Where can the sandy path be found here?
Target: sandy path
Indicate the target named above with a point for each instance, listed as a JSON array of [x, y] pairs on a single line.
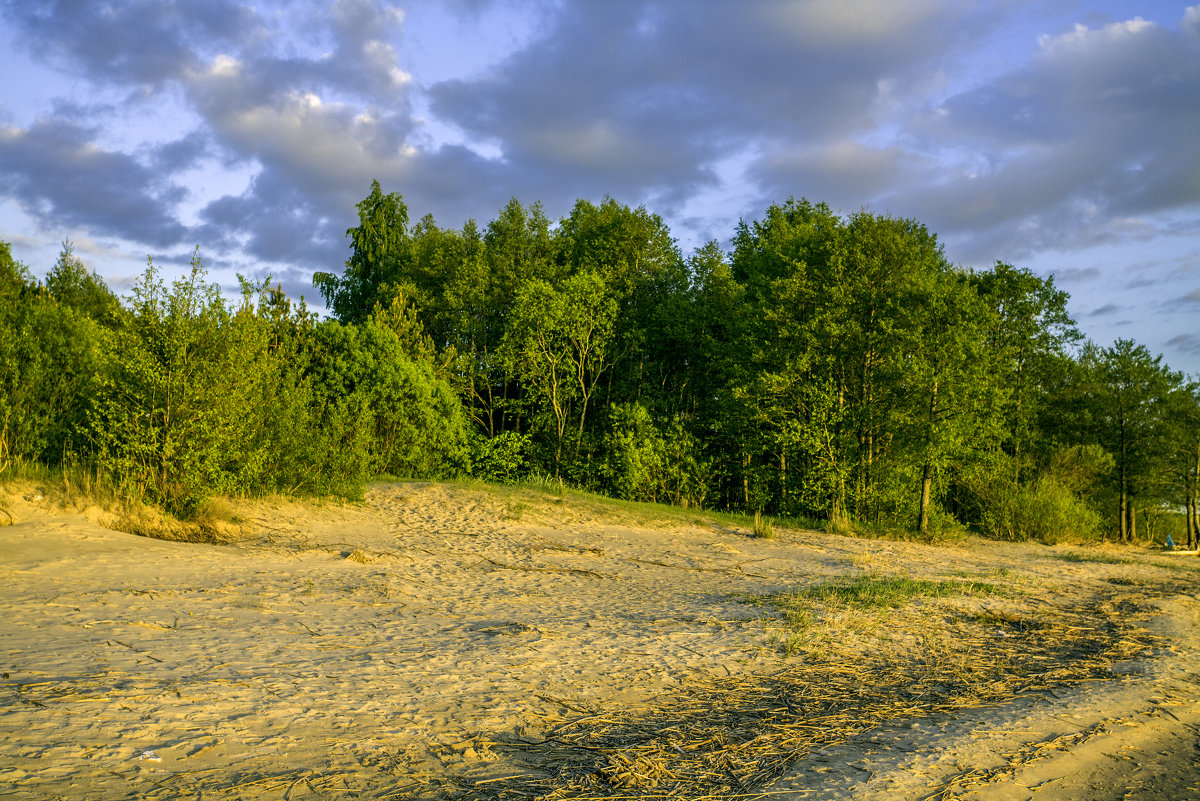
[[350, 651], [1136, 737]]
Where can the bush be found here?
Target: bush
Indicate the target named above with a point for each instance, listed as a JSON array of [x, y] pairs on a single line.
[[1044, 510], [645, 464], [500, 458], [415, 423], [174, 418], [1051, 508]]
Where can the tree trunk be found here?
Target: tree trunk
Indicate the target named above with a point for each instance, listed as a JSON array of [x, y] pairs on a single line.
[[927, 469], [1196, 499], [745, 481], [1123, 513], [1187, 517], [926, 487], [1132, 523], [783, 487]]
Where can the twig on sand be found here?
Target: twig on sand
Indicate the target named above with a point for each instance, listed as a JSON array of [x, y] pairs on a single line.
[[536, 569]]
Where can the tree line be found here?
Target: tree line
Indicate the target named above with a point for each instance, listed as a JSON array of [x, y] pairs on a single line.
[[826, 367]]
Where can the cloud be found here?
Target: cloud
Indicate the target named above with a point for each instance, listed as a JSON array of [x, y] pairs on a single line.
[[1079, 275], [61, 177], [1191, 297], [703, 109], [1188, 343], [1107, 310], [1087, 141], [181, 154], [643, 100], [141, 42]]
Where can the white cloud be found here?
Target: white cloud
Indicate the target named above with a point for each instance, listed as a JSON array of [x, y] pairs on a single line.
[[1083, 37], [1190, 24], [224, 66]]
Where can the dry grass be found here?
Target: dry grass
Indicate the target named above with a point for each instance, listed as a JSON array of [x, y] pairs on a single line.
[[729, 738]]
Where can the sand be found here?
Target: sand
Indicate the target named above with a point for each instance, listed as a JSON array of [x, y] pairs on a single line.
[[389, 649]]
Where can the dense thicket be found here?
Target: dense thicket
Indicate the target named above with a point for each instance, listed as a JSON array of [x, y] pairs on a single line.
[[827, 366], [181, 394]]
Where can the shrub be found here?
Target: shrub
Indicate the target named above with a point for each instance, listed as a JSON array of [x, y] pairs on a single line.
[[500, 458], [1043, 510], [645, 464], [173, 418]]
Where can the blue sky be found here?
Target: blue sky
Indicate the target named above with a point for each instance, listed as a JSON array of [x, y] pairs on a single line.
[[1056, 135]]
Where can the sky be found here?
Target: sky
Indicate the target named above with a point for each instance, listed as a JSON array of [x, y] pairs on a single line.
[[1062, 136]]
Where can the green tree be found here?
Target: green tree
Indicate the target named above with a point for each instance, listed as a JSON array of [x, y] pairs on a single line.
[[1029, 338], [1124, 393], [633, 252], [955, 401], [380, 247], [391, 411], [642, 463], [70, 283], [159, 428], [1182, 414], [557, 343], [49, 363]]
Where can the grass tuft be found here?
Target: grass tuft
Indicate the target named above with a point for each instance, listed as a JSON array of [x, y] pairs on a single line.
[[1099, 558], [875, 591]]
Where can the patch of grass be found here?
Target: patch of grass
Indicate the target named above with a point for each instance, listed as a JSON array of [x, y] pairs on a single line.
[[1002, 572], [1099, 558], [875, 591], [545, 483], [801, 609], [764, 527], [1187, 563]]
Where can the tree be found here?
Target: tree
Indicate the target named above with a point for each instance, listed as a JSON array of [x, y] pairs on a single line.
[[633, 252], [159, 428], [413, 421], [379, 247], [70, 283], [557, 343], [49, 362], [954, 398], [1183, 420], [1124, 398], [1029, 336]]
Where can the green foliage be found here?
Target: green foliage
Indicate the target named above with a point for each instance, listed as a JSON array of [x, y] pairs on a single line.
[[501, 458], [49, 361], [557, 342], [643, 463], [1054, 506], [831, 368], [391, 414], [70, 283], [379, 247], [159, 428], [1044, 510]]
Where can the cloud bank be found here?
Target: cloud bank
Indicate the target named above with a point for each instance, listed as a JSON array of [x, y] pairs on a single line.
[[1009, 133]]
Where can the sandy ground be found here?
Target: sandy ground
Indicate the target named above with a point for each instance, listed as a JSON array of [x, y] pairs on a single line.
[[368, 651]]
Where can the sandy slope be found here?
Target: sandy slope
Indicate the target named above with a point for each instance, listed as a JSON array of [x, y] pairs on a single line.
[[365, 650]]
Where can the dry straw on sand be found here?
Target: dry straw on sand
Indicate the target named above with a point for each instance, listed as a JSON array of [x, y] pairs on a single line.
[[730, 738]]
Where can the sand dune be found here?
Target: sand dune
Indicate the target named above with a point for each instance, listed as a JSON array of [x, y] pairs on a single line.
[[393, 648]]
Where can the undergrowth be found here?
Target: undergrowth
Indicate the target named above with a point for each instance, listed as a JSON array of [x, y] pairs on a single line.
[[801, 609]]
